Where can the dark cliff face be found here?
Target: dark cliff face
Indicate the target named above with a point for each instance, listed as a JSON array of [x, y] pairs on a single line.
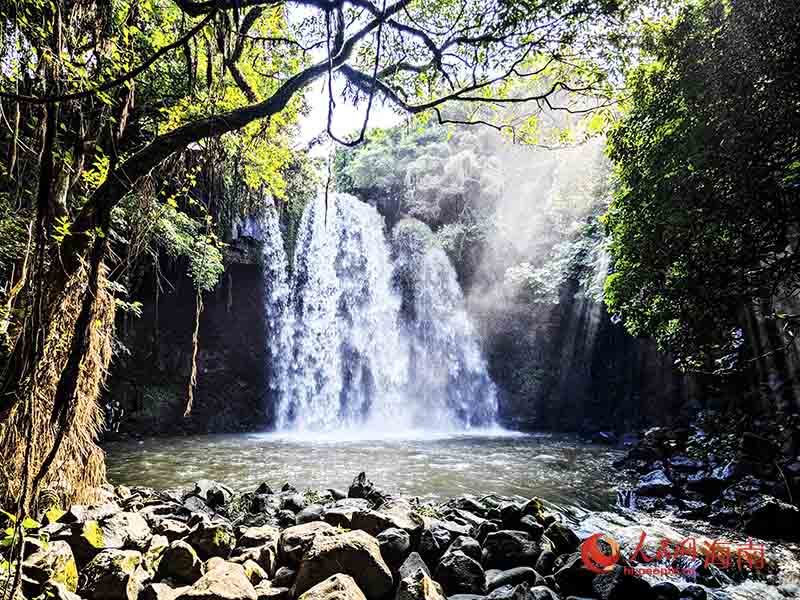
[[151, 382], [567, 366]]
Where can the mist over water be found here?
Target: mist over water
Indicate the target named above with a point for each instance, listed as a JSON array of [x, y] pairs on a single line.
[[350, 349]]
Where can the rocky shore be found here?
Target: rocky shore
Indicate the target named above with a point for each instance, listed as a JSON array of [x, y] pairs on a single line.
[[208, 543], [745, 480]]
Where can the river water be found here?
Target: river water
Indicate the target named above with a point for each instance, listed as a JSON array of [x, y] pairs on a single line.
[[557, 468]]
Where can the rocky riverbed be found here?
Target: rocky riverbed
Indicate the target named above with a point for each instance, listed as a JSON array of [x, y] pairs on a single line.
[[208, 543]]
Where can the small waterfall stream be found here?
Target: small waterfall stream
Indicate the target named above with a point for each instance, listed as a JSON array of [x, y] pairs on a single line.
[[348, 350]]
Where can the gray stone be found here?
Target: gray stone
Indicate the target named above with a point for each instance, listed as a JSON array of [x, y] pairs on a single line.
[[335, 587], [212, 539], [294, 541], [53, 562], [310, 513], [655, 483], [468, 546], [413, 565], [506, 549], [395, 545], [180, 564], [460, 574], [419, 587], [222, 581], [354, 553], [513, 577], [112, 575]]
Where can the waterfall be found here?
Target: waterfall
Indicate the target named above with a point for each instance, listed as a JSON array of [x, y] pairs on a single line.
[[366, 340], [276, 305]]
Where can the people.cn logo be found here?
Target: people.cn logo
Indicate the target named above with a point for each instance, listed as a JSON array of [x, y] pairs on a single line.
[[596, 555]]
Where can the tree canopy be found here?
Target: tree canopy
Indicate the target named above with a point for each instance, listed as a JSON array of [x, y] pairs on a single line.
[[705, 216]]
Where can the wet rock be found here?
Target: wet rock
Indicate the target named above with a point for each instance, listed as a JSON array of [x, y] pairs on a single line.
[[460, 574], [260, 503], [769, 517], [693, 592], [361, 487], [535, 509], [222, 581], [514, 576], [395, 545], [112, 575], [284, 577], [266, 590], [212, 539], [255, 537], [55, 562], [161, 591], [310, 513], [665, 590], [545, 562], [294, 503], [419, 587], [180, 563], [214, 494], [506, 549], [172, 529], [541, 592], [468, 546], [337, 494], [573, 578], [616, 585], [125, 530], [254, 572], [510, 514], [693, 509], [562, 537], [413, 565], [481, 531], [531, 526], [655, 483], [354, 553], [683, 463], [511, 592], [286, 518], [264, 489], [294, 541], [433, 542]]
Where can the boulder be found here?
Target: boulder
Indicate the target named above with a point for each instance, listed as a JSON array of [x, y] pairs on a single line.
[[434, 541], [573, 578], [294, 541], [284, 577], [544, 564], [769, 517], [468, 546], [255, 573], [126, 530], [514, 576], [531, 526], [263, 488], [511, 592], [562, 537], [53, 562], [541, 592], [153, 553], [294, 503], [212, 493], [615, 584], [254, 537], [180, 563], [354, 553], [310, 513], [161, 591], [212, 539], [460, 574], [265, 556], [267, 591], [693, 592], [85, 539], [222, 581], [335, 587], [506, 549], [665, 590], [419, 587], [413, 565], [286, 518], [395, 545], [655, 483], [112, 575], [361, 487]]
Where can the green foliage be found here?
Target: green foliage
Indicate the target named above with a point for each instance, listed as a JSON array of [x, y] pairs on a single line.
[[704, 219]]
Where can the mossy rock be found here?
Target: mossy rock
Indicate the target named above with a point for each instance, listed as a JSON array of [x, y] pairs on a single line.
[[54, 562]]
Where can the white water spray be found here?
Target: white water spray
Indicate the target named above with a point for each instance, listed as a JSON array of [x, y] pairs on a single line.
[[351, 354]]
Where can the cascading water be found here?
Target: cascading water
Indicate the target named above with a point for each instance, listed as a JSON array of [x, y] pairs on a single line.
[[360, 343]]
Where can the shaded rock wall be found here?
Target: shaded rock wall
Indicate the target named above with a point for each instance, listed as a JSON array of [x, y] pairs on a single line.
[[151, 382], [567, 366]]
